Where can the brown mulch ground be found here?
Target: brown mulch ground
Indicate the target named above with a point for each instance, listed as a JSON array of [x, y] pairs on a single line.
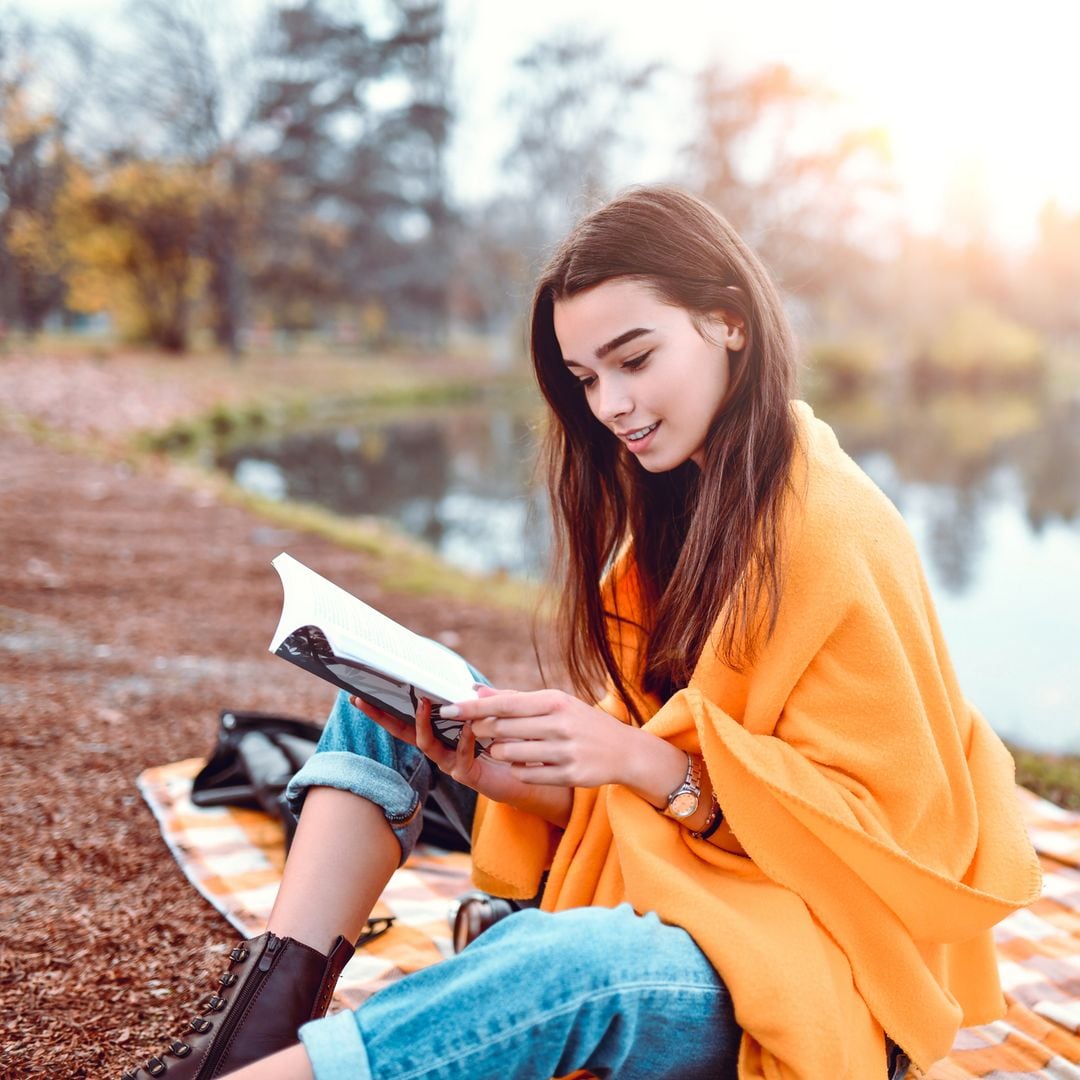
[[133, 608]]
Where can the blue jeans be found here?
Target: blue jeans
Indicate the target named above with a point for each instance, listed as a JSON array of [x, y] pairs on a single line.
[[536, 996], [357, 755]]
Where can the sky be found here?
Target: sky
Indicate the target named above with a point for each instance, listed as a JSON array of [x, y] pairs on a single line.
[[979, 99]]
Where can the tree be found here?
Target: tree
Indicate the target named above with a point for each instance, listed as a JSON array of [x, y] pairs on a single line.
[[29, 283], [188, 93], [572, 102], [796, 183], [356, 125], [1050, 287], [572, 105], [130, 236], [35, 116]]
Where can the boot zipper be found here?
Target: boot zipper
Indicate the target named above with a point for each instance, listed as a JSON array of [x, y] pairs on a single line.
[[236, 1012]]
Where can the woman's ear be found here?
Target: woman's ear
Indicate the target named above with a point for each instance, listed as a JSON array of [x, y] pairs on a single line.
[[734, 333], [729, 329]]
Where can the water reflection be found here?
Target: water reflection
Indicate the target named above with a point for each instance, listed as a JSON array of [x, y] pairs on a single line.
[[461, 481], [961, 440], [989, 484], [973, 452]]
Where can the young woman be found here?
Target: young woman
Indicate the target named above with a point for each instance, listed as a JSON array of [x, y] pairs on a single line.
[[777, 845]]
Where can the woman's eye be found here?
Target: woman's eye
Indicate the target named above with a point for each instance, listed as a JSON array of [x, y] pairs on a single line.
[[627, 365], [637, 361]]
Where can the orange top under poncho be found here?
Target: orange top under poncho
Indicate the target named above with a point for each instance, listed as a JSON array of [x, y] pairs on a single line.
[[872, 833]]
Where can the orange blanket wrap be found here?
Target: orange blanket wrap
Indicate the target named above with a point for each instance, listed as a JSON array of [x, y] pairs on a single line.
[[872, 834]]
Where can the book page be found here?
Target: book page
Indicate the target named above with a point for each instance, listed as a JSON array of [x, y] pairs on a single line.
[[309, 648], [361, 633]]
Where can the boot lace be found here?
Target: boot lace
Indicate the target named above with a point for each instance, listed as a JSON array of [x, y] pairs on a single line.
[[212, 1003]]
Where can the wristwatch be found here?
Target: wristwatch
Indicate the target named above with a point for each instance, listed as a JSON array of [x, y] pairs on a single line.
[[683, 801]]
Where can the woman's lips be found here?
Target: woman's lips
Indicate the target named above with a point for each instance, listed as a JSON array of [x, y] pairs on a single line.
[[636, 446]]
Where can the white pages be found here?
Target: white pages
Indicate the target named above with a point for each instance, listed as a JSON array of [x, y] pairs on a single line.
[[361, 635]]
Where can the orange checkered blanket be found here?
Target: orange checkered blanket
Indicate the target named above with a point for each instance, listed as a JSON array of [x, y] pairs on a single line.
[[234, 858]]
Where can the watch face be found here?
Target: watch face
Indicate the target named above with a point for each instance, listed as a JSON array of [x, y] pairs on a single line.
[[684, 804]]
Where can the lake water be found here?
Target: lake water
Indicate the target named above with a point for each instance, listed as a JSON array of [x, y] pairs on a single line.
[[990, 487]]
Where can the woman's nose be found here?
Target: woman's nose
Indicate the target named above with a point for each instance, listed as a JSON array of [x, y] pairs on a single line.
[[612, 402]]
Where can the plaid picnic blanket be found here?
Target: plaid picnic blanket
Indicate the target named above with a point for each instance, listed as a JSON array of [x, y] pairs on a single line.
[[234, 858]]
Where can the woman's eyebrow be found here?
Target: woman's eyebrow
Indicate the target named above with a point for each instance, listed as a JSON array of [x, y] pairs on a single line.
[[622, 339], [613, 344]]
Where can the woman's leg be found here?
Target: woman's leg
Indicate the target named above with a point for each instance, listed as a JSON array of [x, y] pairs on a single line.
[[346, 848], [361, 795], [359, 800], [539, 995], [340, 861]]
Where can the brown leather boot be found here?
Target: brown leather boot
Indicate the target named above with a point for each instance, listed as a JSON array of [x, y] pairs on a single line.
[[272, 987]]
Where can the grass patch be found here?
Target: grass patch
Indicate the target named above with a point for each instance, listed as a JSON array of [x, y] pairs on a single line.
[[1055, 777], [430, 576], [224, 422], [67, 442], [404, 564], [220, 424]]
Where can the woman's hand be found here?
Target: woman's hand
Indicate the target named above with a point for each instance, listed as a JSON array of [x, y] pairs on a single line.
[[550, 737], [494, 779]]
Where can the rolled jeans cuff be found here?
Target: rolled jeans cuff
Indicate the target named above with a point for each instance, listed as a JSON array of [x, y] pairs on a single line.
[[335, 1049], [399, 799]]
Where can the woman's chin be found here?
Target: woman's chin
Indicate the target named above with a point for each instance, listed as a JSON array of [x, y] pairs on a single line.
[[659, 465]]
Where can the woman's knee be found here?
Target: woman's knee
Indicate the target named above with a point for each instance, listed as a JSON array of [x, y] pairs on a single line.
[[349, 728], [589, 966], [358, 756]]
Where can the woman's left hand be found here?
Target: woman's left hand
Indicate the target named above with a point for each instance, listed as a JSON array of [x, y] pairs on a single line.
[[550, 737]]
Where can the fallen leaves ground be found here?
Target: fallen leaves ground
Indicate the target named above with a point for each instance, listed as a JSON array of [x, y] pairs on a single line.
[[132, 609]]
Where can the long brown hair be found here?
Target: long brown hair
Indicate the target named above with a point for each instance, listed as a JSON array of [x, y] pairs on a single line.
[[705, 541]]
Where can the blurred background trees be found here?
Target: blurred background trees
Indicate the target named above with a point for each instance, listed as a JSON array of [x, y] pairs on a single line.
[[42, 78], [293, 179], [354, 126], [569, 110], [129, 239], [802, 204], [212, 174]]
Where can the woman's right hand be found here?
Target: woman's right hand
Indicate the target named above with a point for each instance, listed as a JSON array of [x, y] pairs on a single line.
[[495, 779]]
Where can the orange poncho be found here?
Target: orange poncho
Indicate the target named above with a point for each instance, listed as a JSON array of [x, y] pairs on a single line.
[[872, 834]]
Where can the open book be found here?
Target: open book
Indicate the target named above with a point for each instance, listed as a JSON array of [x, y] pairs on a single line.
[[332, 634]]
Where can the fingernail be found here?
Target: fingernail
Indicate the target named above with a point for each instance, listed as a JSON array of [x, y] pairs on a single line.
[[478, 685], [448, 712]]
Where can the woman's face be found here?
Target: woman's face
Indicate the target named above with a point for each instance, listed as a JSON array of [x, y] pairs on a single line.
[[647, 373]]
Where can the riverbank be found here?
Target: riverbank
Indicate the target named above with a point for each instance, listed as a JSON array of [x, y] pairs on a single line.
[[136, 600], [166, 415]]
